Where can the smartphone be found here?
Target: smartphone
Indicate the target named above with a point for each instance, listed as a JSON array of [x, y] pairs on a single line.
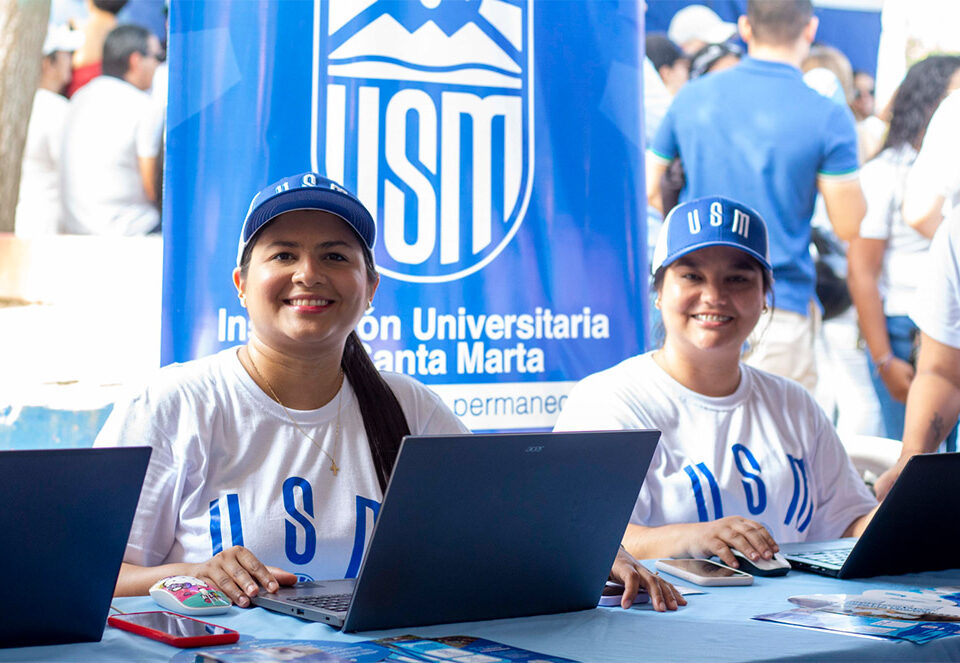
[[173, 629], [704, 572], [612, 594]]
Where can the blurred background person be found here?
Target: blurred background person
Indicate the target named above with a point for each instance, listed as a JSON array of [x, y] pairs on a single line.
[[870, 128], [112, 142], [695, 26], [87, 60], [887, 257], [713, 58], [39, 208], [672, 65]]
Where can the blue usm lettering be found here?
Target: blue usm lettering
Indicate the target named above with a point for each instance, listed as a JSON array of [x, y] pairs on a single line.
[[801, 504], [236, 527], [698, 492], [753, 488], [360, 533], [304, 519]]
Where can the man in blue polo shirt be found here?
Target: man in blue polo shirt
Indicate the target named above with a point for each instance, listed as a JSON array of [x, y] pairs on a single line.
[[756, 133]]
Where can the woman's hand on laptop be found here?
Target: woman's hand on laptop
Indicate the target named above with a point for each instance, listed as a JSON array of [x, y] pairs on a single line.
[[634, 576], [239, 574]]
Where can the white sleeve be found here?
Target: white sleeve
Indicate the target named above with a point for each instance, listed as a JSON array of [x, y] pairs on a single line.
[[591, 406], [131, 423], [426, 413], [878, 190], [843, 496], [936, 172], [936, 308], [150, 130]]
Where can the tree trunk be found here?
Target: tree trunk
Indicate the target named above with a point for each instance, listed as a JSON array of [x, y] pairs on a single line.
[[23, 27]]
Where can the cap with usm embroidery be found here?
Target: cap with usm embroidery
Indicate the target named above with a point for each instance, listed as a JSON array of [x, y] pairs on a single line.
[[711, 221], [306, 191]]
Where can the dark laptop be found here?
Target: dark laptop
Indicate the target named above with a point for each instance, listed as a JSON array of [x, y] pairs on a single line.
[[479, 527], [65, 515], [913, 530]]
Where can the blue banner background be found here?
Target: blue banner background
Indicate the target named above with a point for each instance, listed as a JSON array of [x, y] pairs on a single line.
[[240, 105]]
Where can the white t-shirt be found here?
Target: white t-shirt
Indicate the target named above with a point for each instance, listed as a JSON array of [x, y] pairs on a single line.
[[39, 209], [229, 468], [110, 125], [883, 180], [936, 309], [766, 452], [936, 172]]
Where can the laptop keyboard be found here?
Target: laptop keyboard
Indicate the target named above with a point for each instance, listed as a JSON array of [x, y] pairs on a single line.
[[335, 602], [823, 557]]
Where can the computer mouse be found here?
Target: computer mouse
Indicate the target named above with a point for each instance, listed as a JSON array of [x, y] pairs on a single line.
[[776, 566], [189, 596]]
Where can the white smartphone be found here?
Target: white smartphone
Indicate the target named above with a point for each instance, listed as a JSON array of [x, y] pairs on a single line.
[[704, 572]]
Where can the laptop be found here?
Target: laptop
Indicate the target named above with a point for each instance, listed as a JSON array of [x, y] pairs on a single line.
[[477, 527], [912, 531], [64, 522]]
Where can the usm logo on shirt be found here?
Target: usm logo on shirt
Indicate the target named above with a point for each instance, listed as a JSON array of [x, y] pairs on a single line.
[[424, 108]]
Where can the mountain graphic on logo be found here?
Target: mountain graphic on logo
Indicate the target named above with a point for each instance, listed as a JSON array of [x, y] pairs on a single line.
[[466, 42]]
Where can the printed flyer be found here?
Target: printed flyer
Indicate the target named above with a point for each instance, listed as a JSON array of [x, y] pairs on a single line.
[[915, 615]]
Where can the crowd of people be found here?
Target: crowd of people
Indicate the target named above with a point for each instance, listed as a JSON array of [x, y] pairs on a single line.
[[744, 147], [91, 163]]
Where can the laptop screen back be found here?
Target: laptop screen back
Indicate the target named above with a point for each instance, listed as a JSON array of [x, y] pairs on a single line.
[[490, 526], [64, 524]]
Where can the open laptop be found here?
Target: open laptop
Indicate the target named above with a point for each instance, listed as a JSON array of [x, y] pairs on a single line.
[[912, 531], [64, 522], [479, 527]]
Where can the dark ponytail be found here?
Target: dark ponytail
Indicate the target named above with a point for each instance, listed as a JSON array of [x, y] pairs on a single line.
[[383, 418]]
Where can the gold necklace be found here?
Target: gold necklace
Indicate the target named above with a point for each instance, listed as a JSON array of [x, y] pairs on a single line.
[[336, 435]]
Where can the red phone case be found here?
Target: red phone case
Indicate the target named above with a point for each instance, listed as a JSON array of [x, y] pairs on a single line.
[[227, 638]]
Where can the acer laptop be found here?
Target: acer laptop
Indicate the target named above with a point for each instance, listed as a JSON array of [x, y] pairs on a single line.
[[912, 531], [477, 527], [64, 523]]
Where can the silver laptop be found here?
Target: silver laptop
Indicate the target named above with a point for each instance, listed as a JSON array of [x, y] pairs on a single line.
[[477, 527], [912, 531]]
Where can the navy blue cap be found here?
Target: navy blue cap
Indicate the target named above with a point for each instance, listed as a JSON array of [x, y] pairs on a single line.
[[306, 191], [711, 221]]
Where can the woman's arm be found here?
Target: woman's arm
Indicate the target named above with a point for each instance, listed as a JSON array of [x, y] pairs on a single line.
[[228, 571], [865, 261], [857, 526], [715, 537]]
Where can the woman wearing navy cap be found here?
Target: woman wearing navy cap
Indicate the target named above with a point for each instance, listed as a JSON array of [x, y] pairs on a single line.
[[746, 458], [270, 459]]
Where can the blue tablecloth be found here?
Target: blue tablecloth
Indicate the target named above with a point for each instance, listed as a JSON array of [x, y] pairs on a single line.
[[715, 626]]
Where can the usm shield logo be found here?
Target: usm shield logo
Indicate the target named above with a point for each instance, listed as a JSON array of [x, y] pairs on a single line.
[[424, 108]]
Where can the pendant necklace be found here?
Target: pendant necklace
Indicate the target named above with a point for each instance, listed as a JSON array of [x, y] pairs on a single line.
[[336, 435]]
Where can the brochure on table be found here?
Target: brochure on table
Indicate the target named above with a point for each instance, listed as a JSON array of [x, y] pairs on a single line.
[[916, 615], [404, 649]]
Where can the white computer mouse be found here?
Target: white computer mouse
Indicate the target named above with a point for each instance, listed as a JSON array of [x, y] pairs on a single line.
[[776, 566], [189, 596]]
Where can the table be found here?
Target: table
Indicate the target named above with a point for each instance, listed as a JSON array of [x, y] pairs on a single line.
[[715, 626]]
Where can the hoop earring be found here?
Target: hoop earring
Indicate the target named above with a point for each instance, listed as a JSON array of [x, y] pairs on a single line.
[[656, 303], [370, 308], [243, 300]]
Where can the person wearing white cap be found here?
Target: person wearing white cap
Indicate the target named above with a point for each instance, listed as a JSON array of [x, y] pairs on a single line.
[[271, 459], [746, 458], [38, 205], [695, 26]]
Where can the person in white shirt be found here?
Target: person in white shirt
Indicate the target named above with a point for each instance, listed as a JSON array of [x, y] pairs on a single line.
[[933, 401], [746, 458], [888, 256], [270, 460], [39, 209], [111, 142]]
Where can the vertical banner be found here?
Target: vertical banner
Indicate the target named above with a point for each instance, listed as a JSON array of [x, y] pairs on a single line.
[[498, 144]]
